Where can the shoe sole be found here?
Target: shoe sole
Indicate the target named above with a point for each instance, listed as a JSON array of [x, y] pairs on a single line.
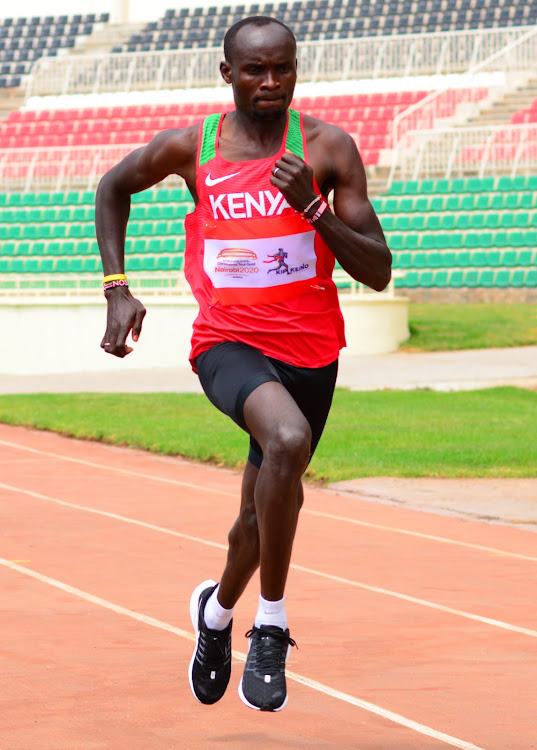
[[194, 616], [246, 702]]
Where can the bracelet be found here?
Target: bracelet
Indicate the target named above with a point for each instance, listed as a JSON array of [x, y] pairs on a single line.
[[114, 277], [313, 202], [317, 215], [116, 282]]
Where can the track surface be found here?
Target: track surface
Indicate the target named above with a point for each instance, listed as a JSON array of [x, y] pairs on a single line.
[[415, 630]]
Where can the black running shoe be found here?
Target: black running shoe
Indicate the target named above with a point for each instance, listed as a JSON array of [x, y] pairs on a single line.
[[210, 667], [263, 683]]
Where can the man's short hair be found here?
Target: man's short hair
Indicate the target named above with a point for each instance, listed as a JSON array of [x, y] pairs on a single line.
[[229, 39]]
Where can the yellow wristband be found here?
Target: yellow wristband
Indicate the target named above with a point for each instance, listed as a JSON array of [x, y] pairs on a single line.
[[114, 277]]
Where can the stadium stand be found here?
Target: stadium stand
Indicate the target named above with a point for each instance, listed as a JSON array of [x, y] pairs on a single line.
[[465, 232], [25, 40], [368, 117], [198, 27]]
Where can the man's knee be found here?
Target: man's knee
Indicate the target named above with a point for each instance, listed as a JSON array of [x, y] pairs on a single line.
[[289, 445]]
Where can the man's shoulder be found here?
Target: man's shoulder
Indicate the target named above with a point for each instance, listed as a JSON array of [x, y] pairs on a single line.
[[325, 133], [315, 126]]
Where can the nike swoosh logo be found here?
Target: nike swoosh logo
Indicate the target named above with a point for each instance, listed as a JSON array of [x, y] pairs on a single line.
[[209, 181]]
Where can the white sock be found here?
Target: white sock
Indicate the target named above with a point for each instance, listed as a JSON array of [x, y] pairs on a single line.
[[271, 613], [215, 616]]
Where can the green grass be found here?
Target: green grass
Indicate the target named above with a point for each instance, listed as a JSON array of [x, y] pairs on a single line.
[[482, 433], [471, 326]]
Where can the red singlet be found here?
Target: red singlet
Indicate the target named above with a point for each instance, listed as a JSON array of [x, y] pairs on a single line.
[[259, 271]]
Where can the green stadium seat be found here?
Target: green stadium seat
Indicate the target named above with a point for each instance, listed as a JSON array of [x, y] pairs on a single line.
[[395, 241], [421, 205], [425, 279], [134, 263], [437, 203], [462, 221], [531, 277], [148, 263], [483, 202], [509, 258], [496, 202], [14, 199], [8, 248], [525, 257], [396, 188], [46, 265], [470, 278], [510, 201], [427, 187], [458, 185], [453, 203], [486, 277], [527, 200], [408, 280], [404, 260], [440, 278], [463, 258], [467, 203], [492, 220], [405, 205], [419, 260], [3, 199], [38, 248], [502, 277], [471, 240], [91, 264], [501, 239], [494, 258], [448, 258], [447, 222], [455, 278], [478, 258], [411, 241], [428, 241], [477, 221], [417, 222], [154, 245], [177, 262], [16, 265], [522, 219], [531, 183], [62, 265], [163, 263], [435, 259], [517, 277], [4, 264], [82, 247]]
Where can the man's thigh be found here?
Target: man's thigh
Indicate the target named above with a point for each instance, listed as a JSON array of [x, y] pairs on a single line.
[[229, 372]]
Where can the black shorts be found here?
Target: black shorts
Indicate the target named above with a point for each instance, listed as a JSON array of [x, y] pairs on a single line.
[[230, 371]]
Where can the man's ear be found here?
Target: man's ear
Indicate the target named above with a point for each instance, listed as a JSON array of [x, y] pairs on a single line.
[[225, 71]]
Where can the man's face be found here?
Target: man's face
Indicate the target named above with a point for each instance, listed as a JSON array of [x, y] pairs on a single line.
[[263, 71]]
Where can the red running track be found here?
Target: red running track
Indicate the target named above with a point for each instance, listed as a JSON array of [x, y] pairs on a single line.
[[415, 630]]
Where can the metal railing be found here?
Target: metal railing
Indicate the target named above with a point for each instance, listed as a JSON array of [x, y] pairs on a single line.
[[334, 60], [518, 56], [458, 152], [517, 60], [62, 167]]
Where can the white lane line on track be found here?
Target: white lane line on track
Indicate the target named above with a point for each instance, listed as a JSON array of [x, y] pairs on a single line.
[[239, 656], [294, 566], [307, 511]]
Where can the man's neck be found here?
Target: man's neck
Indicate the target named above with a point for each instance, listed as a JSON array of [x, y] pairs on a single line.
[[243, 138]]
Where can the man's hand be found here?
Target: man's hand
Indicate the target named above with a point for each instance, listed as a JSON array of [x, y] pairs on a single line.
[[294, 179], [125, 314]]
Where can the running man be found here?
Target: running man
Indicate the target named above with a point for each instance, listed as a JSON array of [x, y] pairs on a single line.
[[280, 257], [265, 346]]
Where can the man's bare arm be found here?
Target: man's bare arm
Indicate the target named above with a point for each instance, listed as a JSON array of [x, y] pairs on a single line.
[[169, 152], [353, 231]]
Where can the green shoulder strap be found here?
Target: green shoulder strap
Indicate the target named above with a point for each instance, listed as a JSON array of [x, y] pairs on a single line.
[[294, 141], [208, 139]]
